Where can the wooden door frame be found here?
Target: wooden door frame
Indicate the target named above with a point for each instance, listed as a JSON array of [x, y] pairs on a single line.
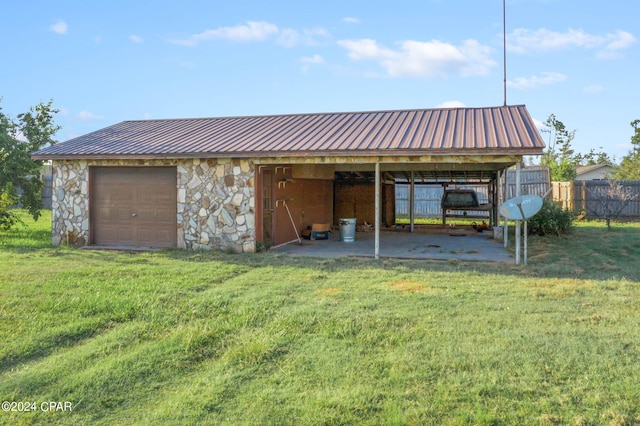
[[260, 211]]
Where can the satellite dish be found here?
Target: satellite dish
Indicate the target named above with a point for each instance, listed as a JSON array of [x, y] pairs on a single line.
[[521, 208]]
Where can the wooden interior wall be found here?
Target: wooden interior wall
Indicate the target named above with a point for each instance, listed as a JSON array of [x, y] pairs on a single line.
[[309, 200], [319, 200], [358, 200]]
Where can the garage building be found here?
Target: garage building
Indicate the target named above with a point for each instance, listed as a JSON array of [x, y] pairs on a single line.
[[235, 182]]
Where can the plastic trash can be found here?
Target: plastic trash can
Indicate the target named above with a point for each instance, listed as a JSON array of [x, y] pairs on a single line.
[[348, 230], [498, 233]]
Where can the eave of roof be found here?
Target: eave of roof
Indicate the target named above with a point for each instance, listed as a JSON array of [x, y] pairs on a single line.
[[592, 167], [444, 131]]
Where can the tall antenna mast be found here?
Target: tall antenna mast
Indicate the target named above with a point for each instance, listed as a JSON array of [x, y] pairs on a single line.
[[504, 48]]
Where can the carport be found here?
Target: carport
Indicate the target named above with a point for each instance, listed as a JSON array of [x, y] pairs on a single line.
[[367, 154]]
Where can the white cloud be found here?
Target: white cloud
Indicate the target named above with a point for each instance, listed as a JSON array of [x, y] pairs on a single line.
[[86, 115], [540, 125], [289, 37], [616, 42], [311, 37], [526, 41], [545, 79], [428, 59], [451, 104], [249, 32], [315, 59], [258, 31], [59, 27], [593, 89], [351, 20], [311, 60], [136, 39]]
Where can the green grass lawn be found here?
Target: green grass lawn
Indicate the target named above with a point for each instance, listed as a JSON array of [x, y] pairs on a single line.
[[178, 337]]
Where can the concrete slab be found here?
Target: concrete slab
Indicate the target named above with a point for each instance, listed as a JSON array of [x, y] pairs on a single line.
[[467, 245]]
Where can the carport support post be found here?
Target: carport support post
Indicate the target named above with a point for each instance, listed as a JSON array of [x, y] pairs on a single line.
[[505, 195], [412, 194], [377, 212], [518, 233]]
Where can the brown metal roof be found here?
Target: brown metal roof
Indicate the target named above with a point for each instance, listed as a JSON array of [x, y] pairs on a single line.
[[490, 130]]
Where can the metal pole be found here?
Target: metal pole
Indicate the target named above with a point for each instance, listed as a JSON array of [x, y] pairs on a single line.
[[377, 212], [504, 198], [518, 231], [504, 48], [412, 194], [525, 242]]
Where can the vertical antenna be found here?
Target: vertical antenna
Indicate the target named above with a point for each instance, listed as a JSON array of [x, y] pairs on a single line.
[[504, 48]]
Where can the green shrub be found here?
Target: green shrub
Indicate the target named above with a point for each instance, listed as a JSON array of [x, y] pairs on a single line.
[[551, 219]]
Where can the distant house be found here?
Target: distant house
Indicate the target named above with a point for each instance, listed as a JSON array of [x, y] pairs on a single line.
[[594, 172], [234, 182]]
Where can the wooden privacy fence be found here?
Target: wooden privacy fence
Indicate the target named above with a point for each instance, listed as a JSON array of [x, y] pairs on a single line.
[[534, 180], [594, 197]]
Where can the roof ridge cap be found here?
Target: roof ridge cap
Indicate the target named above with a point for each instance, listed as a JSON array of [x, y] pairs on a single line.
[[301, 114]]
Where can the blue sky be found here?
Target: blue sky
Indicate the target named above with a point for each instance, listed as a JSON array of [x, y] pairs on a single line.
[[103, 62]]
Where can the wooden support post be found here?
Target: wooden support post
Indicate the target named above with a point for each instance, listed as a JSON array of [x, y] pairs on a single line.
[[518, 231], [504, 198], [444, 211], [377, 212], [412, 195]]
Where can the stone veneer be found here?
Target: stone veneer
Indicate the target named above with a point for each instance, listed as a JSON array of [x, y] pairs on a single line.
[[215, 203]]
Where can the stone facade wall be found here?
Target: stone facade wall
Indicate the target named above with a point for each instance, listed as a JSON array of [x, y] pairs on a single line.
[[70, 203], [215, 205]]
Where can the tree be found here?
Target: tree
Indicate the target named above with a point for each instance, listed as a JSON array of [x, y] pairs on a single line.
[[20, 181], [595, 157], [611, 200], [630, 165], [559, 155]]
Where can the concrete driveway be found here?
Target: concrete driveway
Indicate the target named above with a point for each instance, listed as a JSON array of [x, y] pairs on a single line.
[[461, 244]]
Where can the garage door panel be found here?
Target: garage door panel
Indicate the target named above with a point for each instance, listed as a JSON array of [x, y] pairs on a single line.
[[123, 214], [146, 215], [164, 236], [105, 214], [145, 196], [165, 215], [125, 236], [149, 236], [164, 197], [121, 195], [134, 206], [105, 234]]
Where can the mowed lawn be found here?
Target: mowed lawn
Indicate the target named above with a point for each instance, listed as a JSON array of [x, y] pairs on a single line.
[[179, 337]]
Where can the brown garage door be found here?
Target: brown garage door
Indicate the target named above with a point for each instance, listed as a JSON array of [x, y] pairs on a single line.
[[134, 206]]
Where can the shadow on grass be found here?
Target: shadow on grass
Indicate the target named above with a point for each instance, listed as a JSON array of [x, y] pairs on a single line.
[[46, 345], [23, 240], [589, 252]]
